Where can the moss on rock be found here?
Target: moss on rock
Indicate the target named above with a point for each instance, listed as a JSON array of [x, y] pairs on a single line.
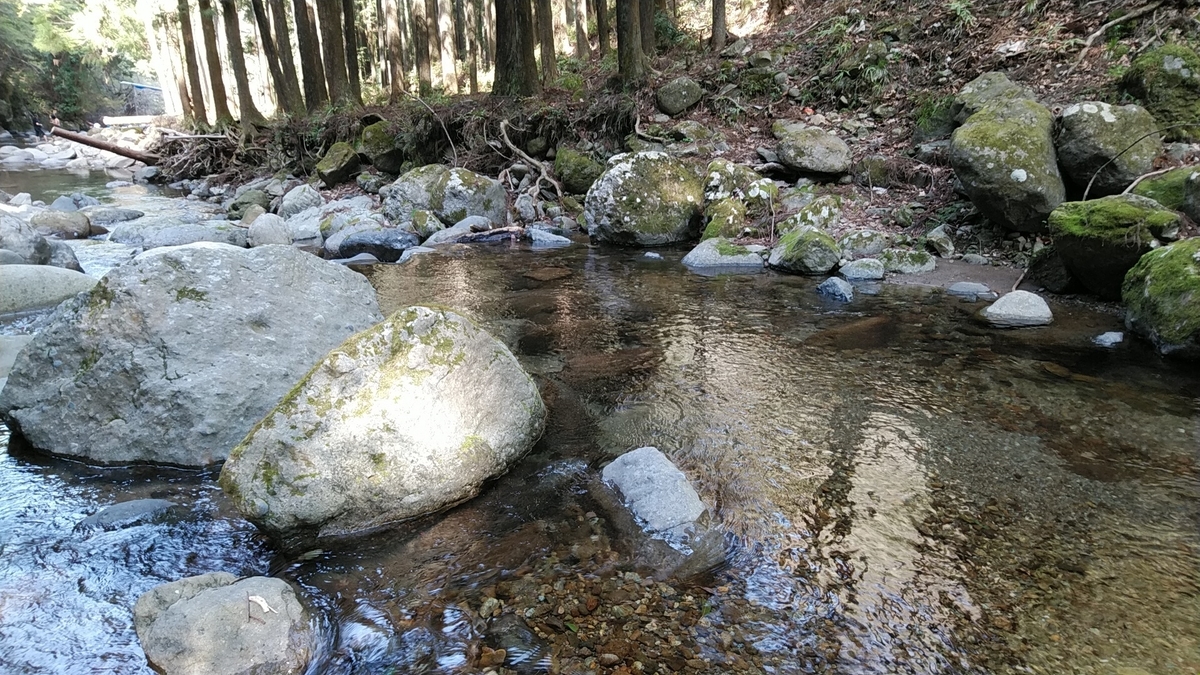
[[338, 165], [726, 218], [1166, 189], [576, 170], [644, 199], [1099, 240], [1162, 298], [1167, 80], [805, 251]]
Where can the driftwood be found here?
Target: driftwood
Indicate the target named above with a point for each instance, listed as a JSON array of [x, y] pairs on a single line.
[[143, 157], [512, 232]]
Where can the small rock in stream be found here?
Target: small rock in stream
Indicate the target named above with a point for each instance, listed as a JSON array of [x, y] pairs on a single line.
[[1109, 339], [657, 493], [125, 514], [1018, 309]]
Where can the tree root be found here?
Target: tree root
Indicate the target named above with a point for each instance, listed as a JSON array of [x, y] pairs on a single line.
[[543, 174]]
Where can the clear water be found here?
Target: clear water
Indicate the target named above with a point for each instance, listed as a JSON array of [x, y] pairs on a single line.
[[903, 491]]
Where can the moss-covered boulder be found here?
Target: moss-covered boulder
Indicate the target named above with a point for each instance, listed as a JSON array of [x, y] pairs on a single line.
[[1168, 188], [805, 251], [726, 218], [864, 243], [1101, 239], [983, 90], [678, 95], [822, 213], [1167, 80], [644, 199], [576, 170], [378, 144], [810, 150], [237, 208], [450, 194], [1004, 156], [724, 179], [1162, 298], [907, 261], [1119, 142], [402, 419], [339, 164]]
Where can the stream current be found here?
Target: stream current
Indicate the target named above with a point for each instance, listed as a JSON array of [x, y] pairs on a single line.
[[902, 491]]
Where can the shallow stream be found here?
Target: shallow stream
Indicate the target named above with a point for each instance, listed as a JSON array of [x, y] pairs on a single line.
[[902, 491]]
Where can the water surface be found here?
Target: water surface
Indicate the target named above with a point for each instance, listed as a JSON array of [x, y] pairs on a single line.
[[902, 491]]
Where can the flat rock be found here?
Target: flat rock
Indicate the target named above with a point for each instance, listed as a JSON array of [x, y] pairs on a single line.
[[188, 627], [124, 514], [863, 269], [718, 254], [971, 290]]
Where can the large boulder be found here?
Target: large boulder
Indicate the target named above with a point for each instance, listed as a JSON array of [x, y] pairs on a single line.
[[339, 164], [1004, 156], [401, 420], [810, 150], [217, 231], [20, 238], [805, 250], [215, 624], [823, 213], [576, 170], [28, 287], [299, 198], [61, 224], [378, 145], [1167, 80], [678, 95], [174, 355], [1119, 142], [1168, 188], [450, 194], [725, 180], [726, 218], [1099, 240], [1162, 298], [644, 199], [983, 90]]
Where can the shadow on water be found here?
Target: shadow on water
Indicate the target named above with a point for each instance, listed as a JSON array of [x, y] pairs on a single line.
[[901, 491]]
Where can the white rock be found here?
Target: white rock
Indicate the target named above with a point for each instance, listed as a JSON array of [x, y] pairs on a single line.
[[1018, 309], [657, 493]]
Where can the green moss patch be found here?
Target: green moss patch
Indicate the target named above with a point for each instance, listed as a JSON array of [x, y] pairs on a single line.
[[1162, 294], [1122, 220], [1166, 189]]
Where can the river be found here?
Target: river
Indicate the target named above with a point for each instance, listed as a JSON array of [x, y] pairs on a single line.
[[902, 490]]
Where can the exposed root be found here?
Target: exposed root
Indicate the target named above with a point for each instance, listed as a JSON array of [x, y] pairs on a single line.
[[543, 175]]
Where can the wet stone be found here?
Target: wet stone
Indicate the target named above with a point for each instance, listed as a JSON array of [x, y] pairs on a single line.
[[657, 493]]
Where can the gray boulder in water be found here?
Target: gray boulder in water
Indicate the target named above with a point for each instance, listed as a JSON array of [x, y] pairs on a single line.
[[214, 624], [657, 493], [174, 355], [125, 514], [399, 421]]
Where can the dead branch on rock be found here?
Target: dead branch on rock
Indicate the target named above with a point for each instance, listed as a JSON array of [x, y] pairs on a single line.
[[543, 173], [637, 129], [1091, 39], [1152, 174]]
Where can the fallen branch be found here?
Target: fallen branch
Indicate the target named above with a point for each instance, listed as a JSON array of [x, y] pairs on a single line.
[[1127, 149], [1091, 39], [543, 174], [1150, 175], [637, 129], [143, 157], [513, 232]]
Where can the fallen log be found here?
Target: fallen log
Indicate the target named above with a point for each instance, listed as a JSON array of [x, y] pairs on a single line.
[[143, 157]]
